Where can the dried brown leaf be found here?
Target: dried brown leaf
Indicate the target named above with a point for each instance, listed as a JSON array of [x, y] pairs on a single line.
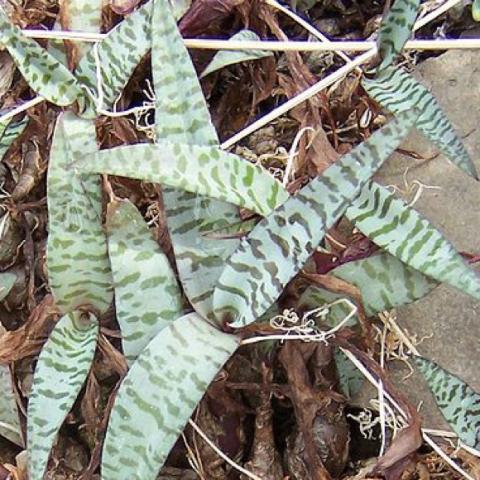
[[32, 170], [397, 457], [322, 437], [27, 340], [90, 405], [265, 460], [111, 356], [338, 285], [206, 16]]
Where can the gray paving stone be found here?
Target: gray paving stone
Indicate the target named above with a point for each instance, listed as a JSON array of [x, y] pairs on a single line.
[[452, 317]]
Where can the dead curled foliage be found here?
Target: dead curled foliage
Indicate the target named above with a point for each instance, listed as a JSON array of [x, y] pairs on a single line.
[[27, 340]]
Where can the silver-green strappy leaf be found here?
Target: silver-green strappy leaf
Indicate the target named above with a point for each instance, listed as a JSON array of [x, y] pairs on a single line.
[[459, 403], [276, 249], [61, 370]]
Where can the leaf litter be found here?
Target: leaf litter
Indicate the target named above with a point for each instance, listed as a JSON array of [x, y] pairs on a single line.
[[275, 408]]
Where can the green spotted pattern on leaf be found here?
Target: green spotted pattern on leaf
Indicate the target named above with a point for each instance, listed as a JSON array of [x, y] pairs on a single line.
[[199, 260], [458, 402], [398, 91], [61, 370], [180, 105], [401, 231], [77, 262], [395, 30], [83, 16], [9, 416], [199, 169], [278, 247], [7, 279], [45, 75], [224, 58], [159, 394], [147, 297], [80, 16], [118, 54], [9, 132], [10, 426], [384, 282]]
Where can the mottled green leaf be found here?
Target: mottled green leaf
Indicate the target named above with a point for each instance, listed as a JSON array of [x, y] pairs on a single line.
[[199, 260], [56, 48], [315, 297], [147, 296], [459, 403], [182, 114], [80, 16], [238, 229], [277, 248], [118, 55], [61, 370], [77, 260], [395, 30], [224, 58], [45, 75], [200, 169], [7, 279], [10, 426], [384, 282], [9, 132], [159, 394], [398, 91], [350, 378], [401, 231], [180, 7]]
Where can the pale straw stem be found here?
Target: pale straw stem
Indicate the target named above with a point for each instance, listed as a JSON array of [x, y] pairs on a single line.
[[381, 396], [326, 82], [272, 45], [425, 435], [309, 28], [21, 108], [230, 45]]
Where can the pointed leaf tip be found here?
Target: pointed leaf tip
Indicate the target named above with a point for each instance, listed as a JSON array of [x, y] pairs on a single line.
[[402, 231], [395, 30], [225, 58], [458, 402], [397, 91], [279, 245], [45, 75]]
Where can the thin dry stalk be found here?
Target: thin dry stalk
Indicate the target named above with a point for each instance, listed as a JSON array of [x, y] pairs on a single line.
[[273, 45], [327, 81], [222, 455], [426, 437]]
